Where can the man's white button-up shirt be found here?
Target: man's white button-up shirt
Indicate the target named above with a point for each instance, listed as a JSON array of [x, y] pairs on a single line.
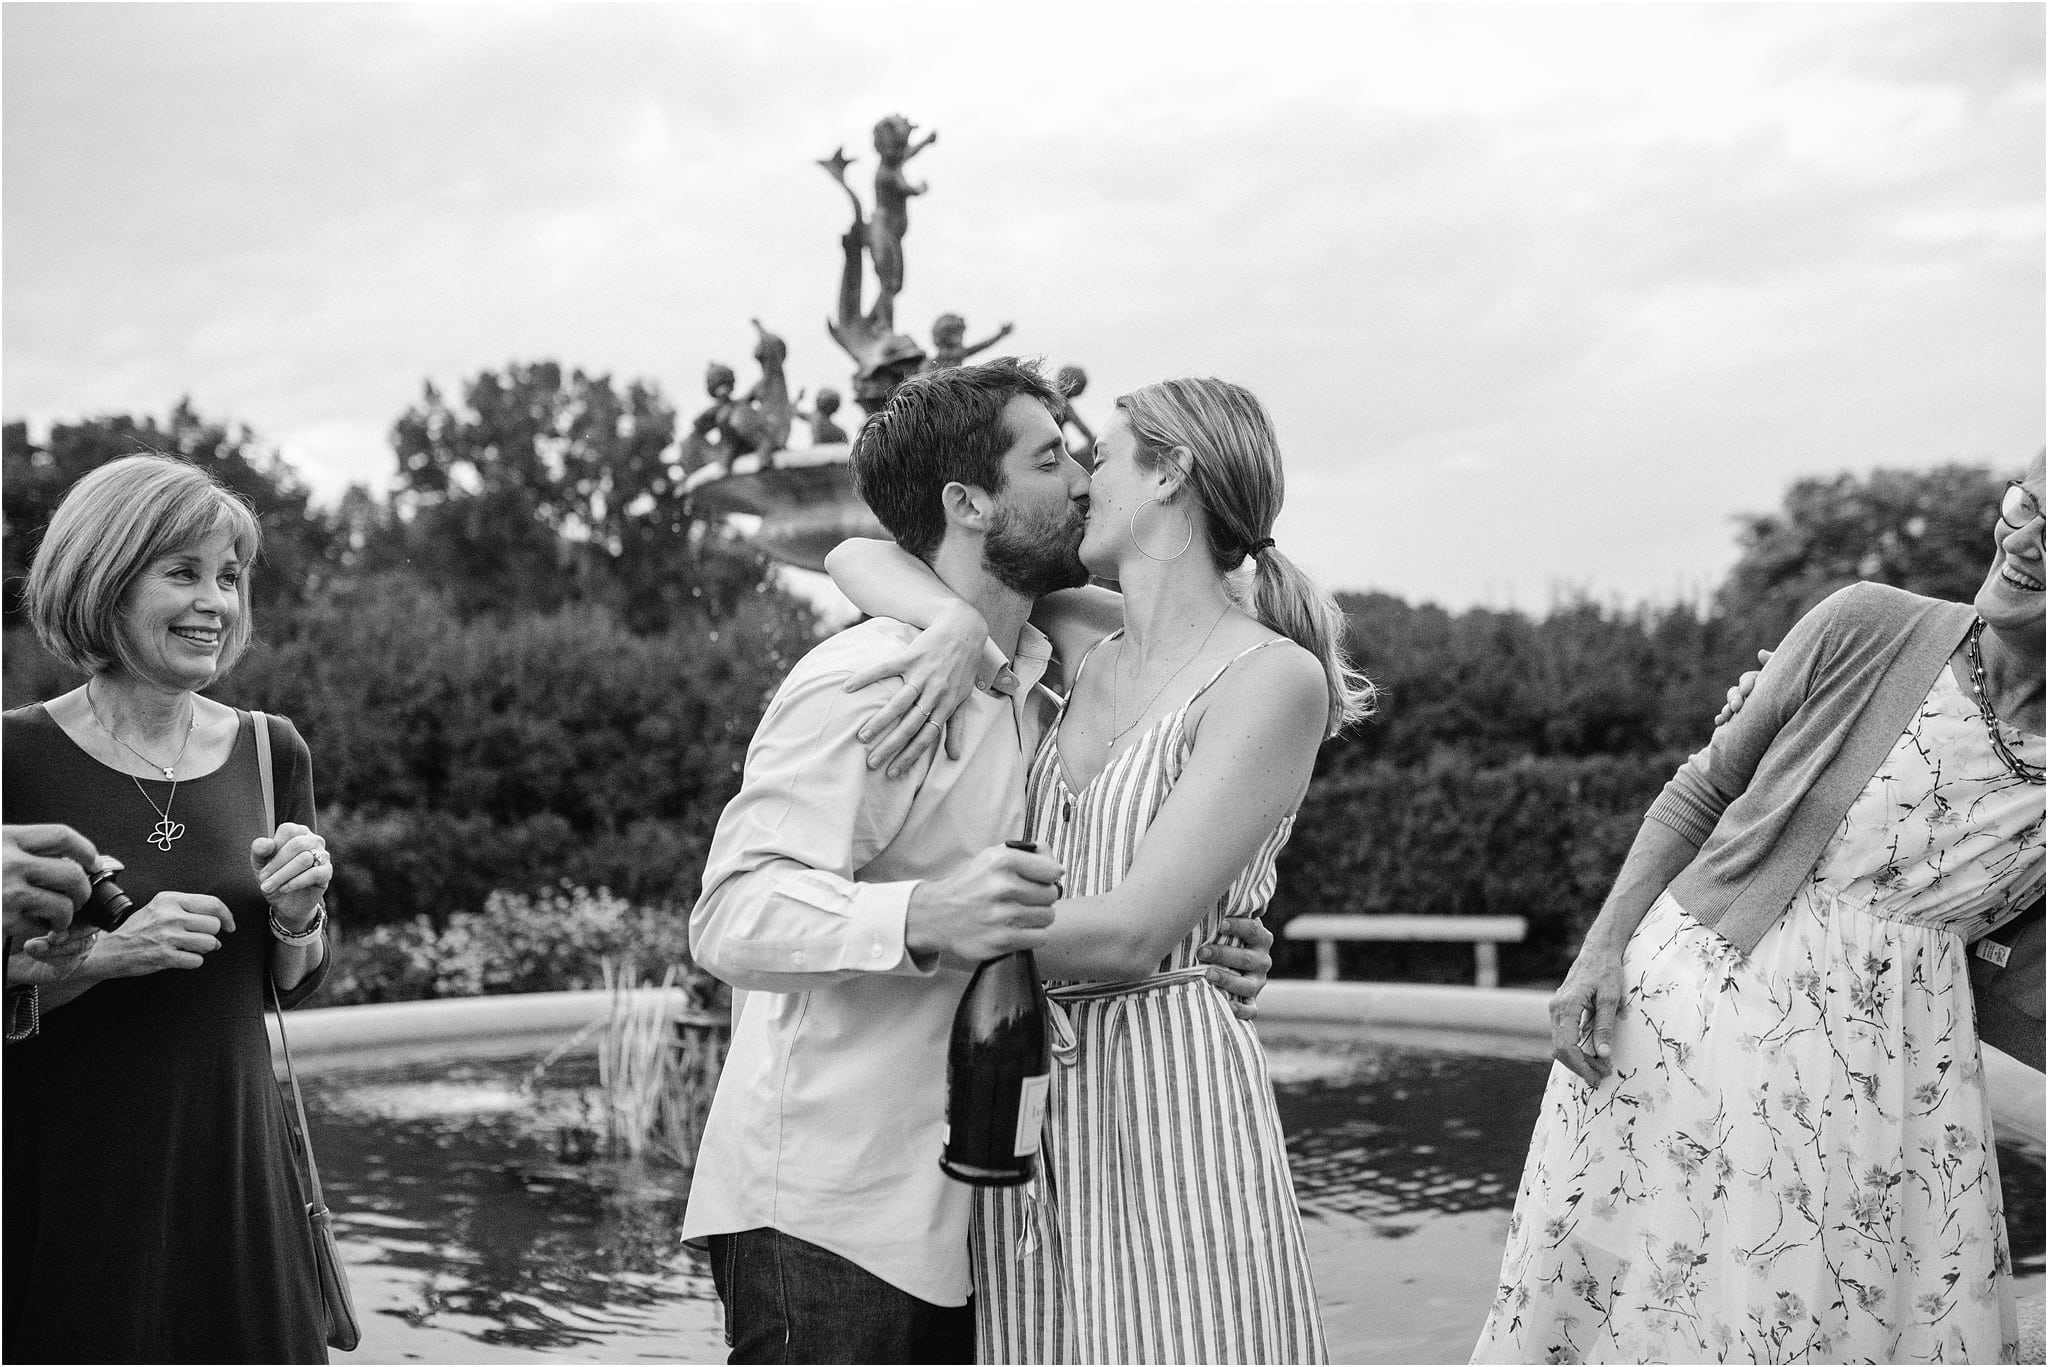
[[830, 1112]]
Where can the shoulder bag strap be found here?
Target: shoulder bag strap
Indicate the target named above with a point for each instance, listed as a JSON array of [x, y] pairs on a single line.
[[305, 1134]]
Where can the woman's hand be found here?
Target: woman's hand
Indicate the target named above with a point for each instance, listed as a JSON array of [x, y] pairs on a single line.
[[1239, 960], [293, 870], [176, 930], [1583, 1010], [938, 670], [1744, 686]]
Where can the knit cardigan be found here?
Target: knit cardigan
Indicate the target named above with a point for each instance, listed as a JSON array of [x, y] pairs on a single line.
[[1761, 801]]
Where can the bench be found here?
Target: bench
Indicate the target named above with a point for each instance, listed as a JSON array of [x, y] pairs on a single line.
[[1484, 932]]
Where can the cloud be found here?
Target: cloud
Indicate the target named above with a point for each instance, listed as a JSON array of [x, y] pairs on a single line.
[[1647, 263]]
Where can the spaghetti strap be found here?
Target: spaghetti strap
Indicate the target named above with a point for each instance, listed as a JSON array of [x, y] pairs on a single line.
[[1086, 656], [1225, 668]]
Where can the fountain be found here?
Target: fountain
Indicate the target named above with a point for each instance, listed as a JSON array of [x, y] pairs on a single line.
[[736, 458]]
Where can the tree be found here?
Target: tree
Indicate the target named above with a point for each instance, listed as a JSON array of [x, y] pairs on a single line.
[[302, 546], [1924, 530], [543, 489]]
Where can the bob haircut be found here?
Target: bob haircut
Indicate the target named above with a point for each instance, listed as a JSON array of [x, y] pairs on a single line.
[[110, 526]]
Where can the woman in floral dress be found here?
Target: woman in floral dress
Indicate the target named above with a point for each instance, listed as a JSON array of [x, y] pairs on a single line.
[[1769, 1139]]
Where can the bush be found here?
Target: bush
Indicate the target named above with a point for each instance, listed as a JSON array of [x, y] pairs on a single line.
[[555, 940], [1541, 838]]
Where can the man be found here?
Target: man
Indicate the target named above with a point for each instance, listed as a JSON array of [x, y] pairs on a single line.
[[850, 907]]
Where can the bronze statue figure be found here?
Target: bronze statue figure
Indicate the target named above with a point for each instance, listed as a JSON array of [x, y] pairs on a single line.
[[703, 445], [883, 357], [949, 341], [759, 420], [893, 147], [824, 431], [1071, 381]]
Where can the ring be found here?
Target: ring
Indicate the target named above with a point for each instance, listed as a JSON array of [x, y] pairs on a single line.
[[319, 856]]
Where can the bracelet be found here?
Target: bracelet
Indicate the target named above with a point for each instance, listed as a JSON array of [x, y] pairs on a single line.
[[32, 995], [298, 939]]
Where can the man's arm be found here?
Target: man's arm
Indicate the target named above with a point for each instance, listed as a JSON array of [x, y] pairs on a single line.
[[782, 910]]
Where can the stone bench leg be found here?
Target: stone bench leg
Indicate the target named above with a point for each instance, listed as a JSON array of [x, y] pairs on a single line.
[[1486, 963], [1326, 961]]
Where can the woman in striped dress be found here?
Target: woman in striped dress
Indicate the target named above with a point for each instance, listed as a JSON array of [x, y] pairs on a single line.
[[1162, 1226]]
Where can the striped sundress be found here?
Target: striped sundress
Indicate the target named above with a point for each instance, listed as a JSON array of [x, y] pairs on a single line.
[[1162, 1225]]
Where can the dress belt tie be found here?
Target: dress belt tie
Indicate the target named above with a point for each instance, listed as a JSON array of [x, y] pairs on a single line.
[[1060, 1026], [1037, 1194]]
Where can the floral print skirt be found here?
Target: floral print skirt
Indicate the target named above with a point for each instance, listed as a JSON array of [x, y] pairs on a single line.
[[1790, 1162]]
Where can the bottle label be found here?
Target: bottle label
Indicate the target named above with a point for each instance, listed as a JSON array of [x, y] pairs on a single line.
[[1031, 1113]]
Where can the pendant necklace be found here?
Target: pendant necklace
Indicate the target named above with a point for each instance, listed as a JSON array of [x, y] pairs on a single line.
[[1115, 675], [166, 831]]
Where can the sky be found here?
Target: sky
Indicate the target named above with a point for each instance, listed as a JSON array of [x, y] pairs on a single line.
[[1543, 298]]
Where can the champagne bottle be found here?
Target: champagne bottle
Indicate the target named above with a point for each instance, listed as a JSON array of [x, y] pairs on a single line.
[[997, 1072]]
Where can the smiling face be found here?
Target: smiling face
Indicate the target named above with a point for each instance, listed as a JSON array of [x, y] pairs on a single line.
[[1042, 510], [179, 612], [2011, 598]]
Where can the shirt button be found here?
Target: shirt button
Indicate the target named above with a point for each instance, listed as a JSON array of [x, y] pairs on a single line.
[[874, 951], [797, 957]]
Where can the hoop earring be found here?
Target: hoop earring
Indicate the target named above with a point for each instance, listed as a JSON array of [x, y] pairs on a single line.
[[1139, 541]]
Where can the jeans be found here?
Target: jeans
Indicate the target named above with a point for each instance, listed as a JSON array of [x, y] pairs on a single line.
[[790, 1301]]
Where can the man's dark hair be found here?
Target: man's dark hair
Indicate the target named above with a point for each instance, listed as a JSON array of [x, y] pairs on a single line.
[[938, 427]]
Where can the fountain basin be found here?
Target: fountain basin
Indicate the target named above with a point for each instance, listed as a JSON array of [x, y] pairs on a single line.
[[805, 500], [1407, 1110]]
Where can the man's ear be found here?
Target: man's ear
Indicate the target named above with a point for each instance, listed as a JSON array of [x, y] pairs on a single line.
[[967, 506]]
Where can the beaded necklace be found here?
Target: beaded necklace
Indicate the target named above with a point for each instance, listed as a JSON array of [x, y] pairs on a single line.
[[2019, 768]]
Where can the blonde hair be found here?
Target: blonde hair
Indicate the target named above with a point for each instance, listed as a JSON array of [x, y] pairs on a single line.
[[110, 526], [1234, 470]]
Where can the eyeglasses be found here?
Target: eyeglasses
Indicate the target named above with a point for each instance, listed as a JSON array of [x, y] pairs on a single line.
[[2018, 507]]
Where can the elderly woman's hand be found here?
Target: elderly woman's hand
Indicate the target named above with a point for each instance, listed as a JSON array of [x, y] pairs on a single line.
[[1582, 1013], [1744, 686], [293, 870]]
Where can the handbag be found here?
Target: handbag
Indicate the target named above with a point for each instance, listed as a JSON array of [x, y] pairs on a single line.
[[342, 1330], [2006, 981]]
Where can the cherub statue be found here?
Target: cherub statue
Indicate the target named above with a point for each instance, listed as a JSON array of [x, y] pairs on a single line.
[[760, 419], [883, 357], [1072, 381], [824, 431], [703, 446], [949, 341], [893, 190]]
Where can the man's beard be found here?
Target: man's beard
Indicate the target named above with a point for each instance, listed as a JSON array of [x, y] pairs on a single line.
[[1035, 555]]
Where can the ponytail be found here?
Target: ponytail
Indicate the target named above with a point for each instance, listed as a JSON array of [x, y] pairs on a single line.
[[1291, 603], [1235, 471]]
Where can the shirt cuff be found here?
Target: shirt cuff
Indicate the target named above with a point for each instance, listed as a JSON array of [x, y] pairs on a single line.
[[875, 930]]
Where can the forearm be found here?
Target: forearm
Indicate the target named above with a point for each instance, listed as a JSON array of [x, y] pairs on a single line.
[[1659, 855], [291, 965], [784, 928], [884, 580], [1100, 939]]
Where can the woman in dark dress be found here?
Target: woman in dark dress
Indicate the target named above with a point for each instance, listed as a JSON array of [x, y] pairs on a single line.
[[152, 1205]]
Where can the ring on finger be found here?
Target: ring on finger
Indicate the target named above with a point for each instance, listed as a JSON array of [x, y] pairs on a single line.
[[319, 856]]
